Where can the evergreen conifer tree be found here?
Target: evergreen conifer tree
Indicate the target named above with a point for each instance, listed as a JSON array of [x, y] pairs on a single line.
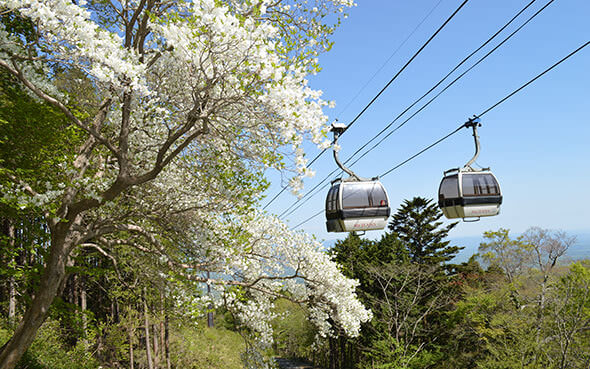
[[417, 224]]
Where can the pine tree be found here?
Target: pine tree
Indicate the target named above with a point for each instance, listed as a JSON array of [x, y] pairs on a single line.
[[352, 254], [417, 224]]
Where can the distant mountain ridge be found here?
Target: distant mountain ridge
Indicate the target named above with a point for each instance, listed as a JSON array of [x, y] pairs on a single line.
[[578, 251]]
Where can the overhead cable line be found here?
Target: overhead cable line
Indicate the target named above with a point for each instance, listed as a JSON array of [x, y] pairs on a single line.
[[308, 195], [533, 80], [382, 90], [447, 86], [388, 59], [463, 125], [308, 219], [427, 93], [455, 68], [275, 197], [490, 108], [404, 67]]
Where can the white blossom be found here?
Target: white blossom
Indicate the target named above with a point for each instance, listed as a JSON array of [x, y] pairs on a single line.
[[194, 116]]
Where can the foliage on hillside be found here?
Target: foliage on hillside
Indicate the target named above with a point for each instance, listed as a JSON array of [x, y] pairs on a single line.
[[134, 142], [192, 347], [515, 305], [524, 310]]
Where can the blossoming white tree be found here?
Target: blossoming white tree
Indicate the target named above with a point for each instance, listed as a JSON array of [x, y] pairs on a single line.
[[191, 102]]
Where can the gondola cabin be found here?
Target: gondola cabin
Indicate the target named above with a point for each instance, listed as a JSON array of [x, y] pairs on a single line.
[[353, 205], [469, 194]]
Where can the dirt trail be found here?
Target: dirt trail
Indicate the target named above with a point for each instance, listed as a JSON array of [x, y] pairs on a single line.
[[293, 364]]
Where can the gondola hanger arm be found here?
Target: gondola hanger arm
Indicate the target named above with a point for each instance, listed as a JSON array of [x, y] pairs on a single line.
[[338, 129], [473, 123]]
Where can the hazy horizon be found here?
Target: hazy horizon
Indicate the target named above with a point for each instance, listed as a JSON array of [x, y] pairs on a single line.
[[579, 250]]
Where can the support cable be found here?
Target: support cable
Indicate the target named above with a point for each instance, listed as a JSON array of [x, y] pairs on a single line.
[[454, 81], [405, 66], [381, 91], [534, 79], [451, 83], [464, 125], [308, 195], [428, 92], [388, 59]]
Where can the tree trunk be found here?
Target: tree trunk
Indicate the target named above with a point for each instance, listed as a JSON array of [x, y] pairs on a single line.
[[162, 344], [167, 341], [11, 281], [117, 311], [74, 289], [148, 348], [131, 358], [210, 322], [83, 307], [11, 301], [49, 286], [162, 334], [156, 349], [332, 353], [540, 314], [131, 333]]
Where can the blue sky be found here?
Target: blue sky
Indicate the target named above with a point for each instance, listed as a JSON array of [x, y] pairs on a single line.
[[537, 143]]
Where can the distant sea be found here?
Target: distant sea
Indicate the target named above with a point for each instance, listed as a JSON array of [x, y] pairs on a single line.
[[578, 251]]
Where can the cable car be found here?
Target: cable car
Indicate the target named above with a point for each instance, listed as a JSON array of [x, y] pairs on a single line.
[[355, 204], [467, 192]]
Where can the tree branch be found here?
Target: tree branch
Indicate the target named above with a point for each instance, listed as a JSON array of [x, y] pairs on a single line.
[[58, 104]]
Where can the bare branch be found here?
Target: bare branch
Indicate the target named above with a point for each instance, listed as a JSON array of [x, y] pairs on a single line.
[[14, 70]]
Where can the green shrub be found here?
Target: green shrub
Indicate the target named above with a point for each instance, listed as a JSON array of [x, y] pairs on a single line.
[[197, 347], [293, 333], [48, 351]]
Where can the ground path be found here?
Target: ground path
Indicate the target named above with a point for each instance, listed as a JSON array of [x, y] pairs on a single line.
[[294, 364]]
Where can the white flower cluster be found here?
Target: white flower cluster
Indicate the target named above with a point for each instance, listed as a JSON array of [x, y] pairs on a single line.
[[21, 198], [217, 55], [215, 85], [35, 71], [201, 55], [257, 315], [279, 260], [74, 38]]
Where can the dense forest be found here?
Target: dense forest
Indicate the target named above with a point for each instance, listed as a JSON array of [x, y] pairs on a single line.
[[134, 142], [516, 304], [135, 138]]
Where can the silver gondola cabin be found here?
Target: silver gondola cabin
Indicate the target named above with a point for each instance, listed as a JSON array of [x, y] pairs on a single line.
[[467, 192], [355, 204]]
